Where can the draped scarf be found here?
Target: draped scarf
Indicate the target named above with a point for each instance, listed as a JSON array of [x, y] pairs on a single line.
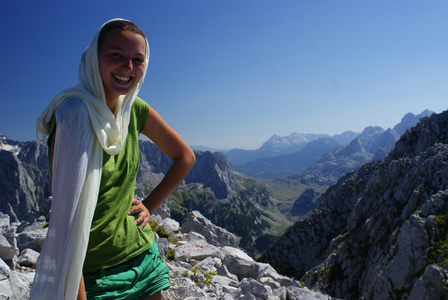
[[75, 192]]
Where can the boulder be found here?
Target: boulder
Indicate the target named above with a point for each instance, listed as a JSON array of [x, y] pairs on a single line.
[[5, 286], [32, 236], [169, 225], [8, 241], [21, 284], [7, 251], [163, 246], [197, 250], [214, 235], [28, 258], [240, 264], [257, 289], [163, 211], [295, 293], [431, 285], [194, 236]]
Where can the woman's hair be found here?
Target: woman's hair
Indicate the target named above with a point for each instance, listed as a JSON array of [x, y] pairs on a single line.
[[118, 25]]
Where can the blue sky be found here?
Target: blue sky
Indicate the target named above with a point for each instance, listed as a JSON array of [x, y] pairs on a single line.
[[230, 74]]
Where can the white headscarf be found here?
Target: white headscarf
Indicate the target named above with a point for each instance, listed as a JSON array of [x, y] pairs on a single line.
[[110, 131], [62, 256]]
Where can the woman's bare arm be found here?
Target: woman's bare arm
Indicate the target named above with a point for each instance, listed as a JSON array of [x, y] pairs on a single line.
[[183, 158]]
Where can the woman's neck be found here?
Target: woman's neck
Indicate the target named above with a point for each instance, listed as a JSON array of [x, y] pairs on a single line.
[[112, 104]]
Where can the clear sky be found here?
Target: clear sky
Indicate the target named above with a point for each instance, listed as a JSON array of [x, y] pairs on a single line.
[[230, 74]]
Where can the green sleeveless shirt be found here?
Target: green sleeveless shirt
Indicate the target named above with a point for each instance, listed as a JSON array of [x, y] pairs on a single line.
[[114, 236]]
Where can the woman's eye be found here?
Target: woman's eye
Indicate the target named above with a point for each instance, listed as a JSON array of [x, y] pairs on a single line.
[[138, 60]]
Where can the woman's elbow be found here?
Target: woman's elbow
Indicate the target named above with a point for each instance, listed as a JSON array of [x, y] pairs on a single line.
[[190, 158]]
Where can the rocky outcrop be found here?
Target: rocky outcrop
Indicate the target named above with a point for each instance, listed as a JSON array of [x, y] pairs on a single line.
[[201, 267], [410, 120], [153, 165], [305, 202], [213, 170], [213, 234], [24, 179], [381, 231]]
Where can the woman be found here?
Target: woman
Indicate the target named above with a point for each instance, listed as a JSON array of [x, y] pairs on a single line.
[[98, 244]]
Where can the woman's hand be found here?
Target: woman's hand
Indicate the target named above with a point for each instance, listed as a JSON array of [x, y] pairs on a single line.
[[144, 215]]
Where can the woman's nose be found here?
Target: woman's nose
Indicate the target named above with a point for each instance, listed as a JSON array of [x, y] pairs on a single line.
[[127, 64]]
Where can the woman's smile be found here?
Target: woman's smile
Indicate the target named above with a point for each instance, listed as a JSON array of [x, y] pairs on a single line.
[[121, 78]]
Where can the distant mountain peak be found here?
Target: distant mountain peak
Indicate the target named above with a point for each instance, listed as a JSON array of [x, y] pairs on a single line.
[[410, 120], [280, 141], [370, 130], [354, 147]]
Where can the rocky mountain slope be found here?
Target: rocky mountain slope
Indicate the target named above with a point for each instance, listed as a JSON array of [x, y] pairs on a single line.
[[381, 231], [24, 179], [204, 262]]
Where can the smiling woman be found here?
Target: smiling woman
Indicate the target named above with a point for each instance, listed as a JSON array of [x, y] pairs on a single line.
[[98, 243], [121, 57]]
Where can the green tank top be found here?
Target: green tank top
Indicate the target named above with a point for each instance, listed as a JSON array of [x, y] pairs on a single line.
[[114, 236]]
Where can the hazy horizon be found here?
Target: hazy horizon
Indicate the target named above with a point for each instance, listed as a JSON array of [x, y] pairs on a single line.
[[200, 147]]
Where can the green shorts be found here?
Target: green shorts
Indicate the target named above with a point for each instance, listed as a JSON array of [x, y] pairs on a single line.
[[137, 278]]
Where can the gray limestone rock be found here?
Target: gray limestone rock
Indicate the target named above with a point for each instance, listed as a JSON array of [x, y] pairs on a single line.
[[197, 251], [257, 289], [7, 251], [21, 283], [214, 235], [240, 264], [295, 293], [432, 285], [32, 236], [28, 258]]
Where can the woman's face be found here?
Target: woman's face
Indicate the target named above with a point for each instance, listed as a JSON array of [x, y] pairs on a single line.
[[122, 62]]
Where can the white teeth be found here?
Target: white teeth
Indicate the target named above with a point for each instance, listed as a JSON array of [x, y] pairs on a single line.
[[122, 78]]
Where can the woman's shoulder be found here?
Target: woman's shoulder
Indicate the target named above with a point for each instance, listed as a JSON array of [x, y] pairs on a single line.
[[74, 104], [72, 107], [140, 111], [140, 103]]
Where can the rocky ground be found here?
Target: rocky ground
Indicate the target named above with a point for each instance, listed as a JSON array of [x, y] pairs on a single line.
[[204, 261]]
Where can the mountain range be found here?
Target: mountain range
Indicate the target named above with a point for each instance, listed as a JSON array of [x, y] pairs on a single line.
[[379, 232], [258, 210], [293, 154]]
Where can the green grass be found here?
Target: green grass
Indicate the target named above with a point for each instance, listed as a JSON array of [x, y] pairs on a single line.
[[438, 252]]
